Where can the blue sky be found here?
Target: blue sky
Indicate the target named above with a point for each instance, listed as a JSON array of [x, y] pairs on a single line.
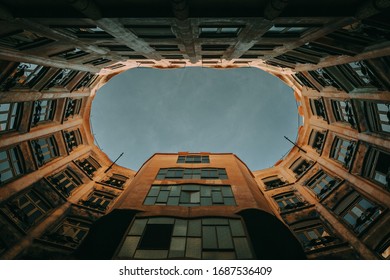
[[245, 111]]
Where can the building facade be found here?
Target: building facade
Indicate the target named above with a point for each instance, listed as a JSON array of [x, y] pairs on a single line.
[[331, 190]]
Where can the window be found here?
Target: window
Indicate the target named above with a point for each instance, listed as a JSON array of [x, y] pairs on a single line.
[[317, 140], [25, 75], [71, 232], [193, 159], [357, 211], [300, 166], [85, 31], [376, 167], [71, 54], [43, 111], [343, 112], [384, 248], [44, 149], [152, 31], [65, 181], [165, 48], [10, 114], [61, 78], [23, 40], [72, 139], [303, 80], [205, 238], [89, 165], [117, 48], [98, 61], [115, 66], [261, 47], [378, 116], [314, 235], [289, 201], [190, 195], [86, 81], [280, 30], [219, 31], [321, 184], [343, 151], [172, 56], [273, 182], [212, 48], [318, 108], [116, 180], [10, 164], [73, 107], [98, 200], [27, 209], [191, 173]]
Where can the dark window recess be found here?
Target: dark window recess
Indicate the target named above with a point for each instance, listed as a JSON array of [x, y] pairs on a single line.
[[191, 173], [136, 56], [273, 182], [117, 48], [152, 31], [301, 79], [300, 166], [156, 237], [23, 40], [279, 63], [72, 139], [343, 112], [250, 56], [302, 56], [283, 31], [89, 165], [317, 140], [193, 159], [211, 56], [116, 180], [69, 233], [315, 236], [65, 181], [376, 167], [71, 54], [98, 61], [261, 47], [219, 31], [25, 75], [318, 108], [115, 66], [44, 149], [86, 81], [73, 107], [343, 151], [43, 111], [165, 47], [98, 200], [214, 47], [173, 56], [86, 31], [61, 78], [324, 79]]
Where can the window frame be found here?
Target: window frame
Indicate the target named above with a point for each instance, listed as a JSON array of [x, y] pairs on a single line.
[[12, 118], [50, 145], [15, 164]]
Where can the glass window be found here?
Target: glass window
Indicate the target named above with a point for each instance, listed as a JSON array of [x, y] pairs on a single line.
[[71, 232], [10, 116], [207, 238], [61, 78], [343, 112], [378, 116], [65, 181], [321, 184], [279, 30], [343, 151], [43, 111], [72, 108], [98, 200], [72, 139], [191, 173], [10, 164], [45, 150], [315, 237], [300, 166], [152, 31], [317, 140], [89, 165], [318, 108], [23, 40], [273, 182], [377, 167], [289, 201], [71, 54], [219, 31]]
